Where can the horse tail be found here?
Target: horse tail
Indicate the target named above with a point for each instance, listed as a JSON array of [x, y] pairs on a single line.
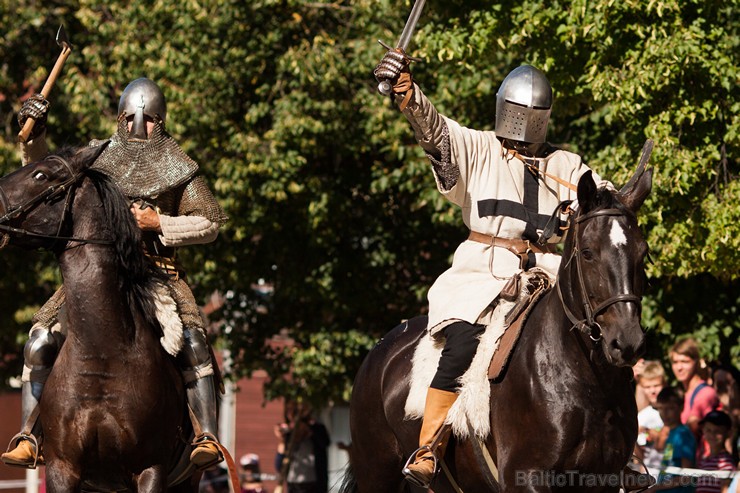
[[349, 483]]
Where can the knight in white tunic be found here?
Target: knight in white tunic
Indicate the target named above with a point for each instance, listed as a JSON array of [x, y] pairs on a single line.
[[509, 184]]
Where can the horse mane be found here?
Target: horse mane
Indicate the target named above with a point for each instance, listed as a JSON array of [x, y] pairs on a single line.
[[137, 275]]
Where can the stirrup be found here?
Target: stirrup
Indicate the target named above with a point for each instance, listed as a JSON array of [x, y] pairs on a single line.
[[412, 458], [207, 438], [16, 440]]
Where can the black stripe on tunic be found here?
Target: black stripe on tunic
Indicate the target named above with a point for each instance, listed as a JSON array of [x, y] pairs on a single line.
[[509, 208]]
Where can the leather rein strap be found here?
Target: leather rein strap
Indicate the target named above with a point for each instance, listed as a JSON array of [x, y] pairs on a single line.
[[51, 192]]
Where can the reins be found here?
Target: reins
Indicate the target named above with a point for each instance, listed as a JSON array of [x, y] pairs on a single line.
[[12, 212]]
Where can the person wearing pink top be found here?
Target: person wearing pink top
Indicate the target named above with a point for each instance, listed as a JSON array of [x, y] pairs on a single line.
[[700, 398]]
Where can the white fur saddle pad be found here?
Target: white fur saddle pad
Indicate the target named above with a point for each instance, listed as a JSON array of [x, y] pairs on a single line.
[[471, 410]]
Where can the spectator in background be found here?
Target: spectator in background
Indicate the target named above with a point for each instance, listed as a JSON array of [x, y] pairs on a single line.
[[301, 457], [215, 479], [675, 440], [700, 397], [250, 474], [640, 398], [651, 381], [726, 381], [716, 428]]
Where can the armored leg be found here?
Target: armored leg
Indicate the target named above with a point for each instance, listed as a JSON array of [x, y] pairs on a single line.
[[40, 353], [197, 368]]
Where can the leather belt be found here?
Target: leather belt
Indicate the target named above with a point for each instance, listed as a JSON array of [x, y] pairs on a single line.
[[520, 248]]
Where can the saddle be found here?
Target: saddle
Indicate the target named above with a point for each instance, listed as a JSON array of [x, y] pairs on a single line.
[[537, 284]]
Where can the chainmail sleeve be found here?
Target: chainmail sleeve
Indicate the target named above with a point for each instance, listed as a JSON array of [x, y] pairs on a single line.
[[197, 200], [433, 135]]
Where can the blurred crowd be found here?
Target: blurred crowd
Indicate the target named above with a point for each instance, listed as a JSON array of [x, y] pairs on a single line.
[[690, 424]]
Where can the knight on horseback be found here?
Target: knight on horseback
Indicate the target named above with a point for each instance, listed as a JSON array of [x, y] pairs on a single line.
[[507, 182], [174, 207]]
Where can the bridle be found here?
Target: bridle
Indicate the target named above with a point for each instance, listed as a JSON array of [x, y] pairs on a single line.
[[588, 323], [53, 191]]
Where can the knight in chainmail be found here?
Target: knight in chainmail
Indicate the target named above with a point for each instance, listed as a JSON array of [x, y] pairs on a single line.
[[174, 207], [508, 183]]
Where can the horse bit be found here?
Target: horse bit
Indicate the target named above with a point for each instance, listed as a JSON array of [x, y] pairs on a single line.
[[12, 212], [588, 324]]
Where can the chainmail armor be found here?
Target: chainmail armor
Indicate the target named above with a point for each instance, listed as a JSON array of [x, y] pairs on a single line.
[[447, 172], [48, 315], [148, 168], [187, 307]]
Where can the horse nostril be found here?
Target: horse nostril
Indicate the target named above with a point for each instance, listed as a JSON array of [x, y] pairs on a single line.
[[616, 346]]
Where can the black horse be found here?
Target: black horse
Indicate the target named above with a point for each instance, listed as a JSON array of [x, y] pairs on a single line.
[[564, 416], [113, 410]]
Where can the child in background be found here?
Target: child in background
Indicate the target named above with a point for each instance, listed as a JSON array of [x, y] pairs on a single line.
[[651, 380], [251, 477], [715, 428], [675, 440]]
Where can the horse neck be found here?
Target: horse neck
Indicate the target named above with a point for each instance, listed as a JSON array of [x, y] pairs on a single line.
[[93, 297], [580, 356]]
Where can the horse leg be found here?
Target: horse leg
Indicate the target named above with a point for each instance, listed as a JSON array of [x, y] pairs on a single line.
[[62, 477], [151, 480], [376, 418]]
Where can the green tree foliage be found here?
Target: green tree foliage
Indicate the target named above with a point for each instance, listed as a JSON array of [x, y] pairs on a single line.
[[336, 230]]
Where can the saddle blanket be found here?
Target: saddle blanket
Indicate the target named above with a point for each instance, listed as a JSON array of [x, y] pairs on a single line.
[[470, 412]]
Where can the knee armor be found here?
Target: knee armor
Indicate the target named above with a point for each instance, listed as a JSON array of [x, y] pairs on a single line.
[[194, 352], [42, 347]]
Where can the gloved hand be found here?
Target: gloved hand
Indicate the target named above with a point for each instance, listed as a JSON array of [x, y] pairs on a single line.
[[36, 107], [394, 68], [391, 66]]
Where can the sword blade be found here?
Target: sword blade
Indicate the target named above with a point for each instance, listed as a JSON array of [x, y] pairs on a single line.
[[408, 29]]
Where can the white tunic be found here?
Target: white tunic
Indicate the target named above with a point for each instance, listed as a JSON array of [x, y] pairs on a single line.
[[498, 197]]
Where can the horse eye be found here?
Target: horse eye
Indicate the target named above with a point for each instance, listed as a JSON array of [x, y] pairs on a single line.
[[39, 176], [587, 254]]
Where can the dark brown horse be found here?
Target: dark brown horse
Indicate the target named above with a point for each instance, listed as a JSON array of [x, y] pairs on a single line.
[[563, 418], [113, 409]]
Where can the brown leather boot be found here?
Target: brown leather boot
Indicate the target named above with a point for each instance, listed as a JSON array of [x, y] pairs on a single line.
[[205, 452], [421, 471], [23, 455]]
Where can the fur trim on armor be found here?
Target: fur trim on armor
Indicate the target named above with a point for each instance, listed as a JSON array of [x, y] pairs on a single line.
[[169, 319]]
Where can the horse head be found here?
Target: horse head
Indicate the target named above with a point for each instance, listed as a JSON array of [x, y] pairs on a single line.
[[35, 199], [604, 269]]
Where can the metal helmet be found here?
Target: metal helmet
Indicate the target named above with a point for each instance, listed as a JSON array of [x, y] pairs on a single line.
[[142, 97], [523, 105]]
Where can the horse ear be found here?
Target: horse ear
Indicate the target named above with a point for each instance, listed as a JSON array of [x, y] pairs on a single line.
[[647, 150], [586, 191], [637, 194], [87, 155]]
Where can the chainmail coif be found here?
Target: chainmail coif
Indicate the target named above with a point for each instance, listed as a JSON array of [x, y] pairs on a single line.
[[148, 168]]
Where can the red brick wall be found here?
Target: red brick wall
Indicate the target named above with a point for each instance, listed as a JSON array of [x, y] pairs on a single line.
[[255, 423], [10, 423]]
